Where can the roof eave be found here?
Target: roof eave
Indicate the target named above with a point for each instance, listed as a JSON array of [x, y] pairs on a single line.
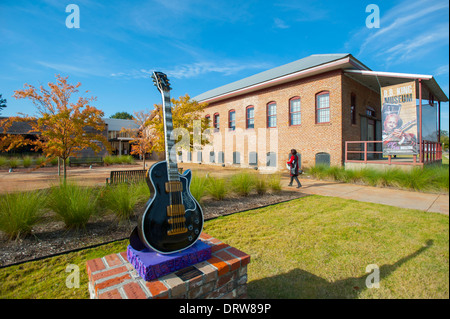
[[329, 66]]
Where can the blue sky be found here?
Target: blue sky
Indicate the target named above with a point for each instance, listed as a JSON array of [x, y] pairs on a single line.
[[203, 44]]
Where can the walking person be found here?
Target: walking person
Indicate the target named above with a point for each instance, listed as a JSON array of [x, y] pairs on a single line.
[[294, 167]]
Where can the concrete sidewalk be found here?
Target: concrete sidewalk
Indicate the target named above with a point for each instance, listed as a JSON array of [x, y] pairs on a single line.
[[437, 203]]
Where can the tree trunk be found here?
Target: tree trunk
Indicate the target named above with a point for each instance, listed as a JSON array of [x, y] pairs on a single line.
[[64, 169]]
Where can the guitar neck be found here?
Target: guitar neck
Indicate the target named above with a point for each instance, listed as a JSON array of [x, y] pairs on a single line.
[[171, 154]]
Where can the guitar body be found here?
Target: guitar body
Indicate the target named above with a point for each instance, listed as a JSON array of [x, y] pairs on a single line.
[[159, 230]]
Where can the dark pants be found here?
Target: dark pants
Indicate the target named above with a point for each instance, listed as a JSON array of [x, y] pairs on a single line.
[[296, 179]]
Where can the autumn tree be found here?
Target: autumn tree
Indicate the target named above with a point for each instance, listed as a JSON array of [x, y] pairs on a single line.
[[64, 127], [187, 114], [143, 136]]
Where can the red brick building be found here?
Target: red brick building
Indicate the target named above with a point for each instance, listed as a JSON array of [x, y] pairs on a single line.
[[314, 105]]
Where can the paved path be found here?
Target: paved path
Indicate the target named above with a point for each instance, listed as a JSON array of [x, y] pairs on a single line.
[[24, 179], [438, 203]]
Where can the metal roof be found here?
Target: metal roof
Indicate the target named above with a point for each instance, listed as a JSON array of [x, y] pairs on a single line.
[[374, 80], [118, 124], [313, 64]]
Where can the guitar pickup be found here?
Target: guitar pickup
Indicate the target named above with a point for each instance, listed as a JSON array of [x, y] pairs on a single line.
[[175, 210], [174, 187]]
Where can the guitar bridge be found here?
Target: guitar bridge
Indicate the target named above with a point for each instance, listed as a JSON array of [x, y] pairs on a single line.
[[174, 187]]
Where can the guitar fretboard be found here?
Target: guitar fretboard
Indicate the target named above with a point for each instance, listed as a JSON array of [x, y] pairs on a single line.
[[171, 154]]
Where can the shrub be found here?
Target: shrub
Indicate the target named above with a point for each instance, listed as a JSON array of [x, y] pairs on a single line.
[[318, 171], [261, 184], [40, 160], [54, 161], [417, 179], [118, 159], [19, 212], [243, 183], [73, 204], [13, 162], [428, 178], [275, 182], [108, 160], [216, 187], [121, 199], [27, 161], [198, 185], [3, 161]]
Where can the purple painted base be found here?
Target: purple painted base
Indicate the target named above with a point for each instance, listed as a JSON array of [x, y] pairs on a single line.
[[151, 265]]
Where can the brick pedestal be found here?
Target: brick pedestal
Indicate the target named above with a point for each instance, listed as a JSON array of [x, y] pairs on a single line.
[[224, 275]]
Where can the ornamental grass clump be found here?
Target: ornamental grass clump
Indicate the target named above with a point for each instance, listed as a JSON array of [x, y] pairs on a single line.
[[122, 199], [274, 182], [216, 187], [73, 204], [198, 187], [19, 212], [261, 184], [243, 183]]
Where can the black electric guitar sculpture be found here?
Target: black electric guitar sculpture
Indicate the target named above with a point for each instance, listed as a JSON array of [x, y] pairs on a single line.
[[173, 219]]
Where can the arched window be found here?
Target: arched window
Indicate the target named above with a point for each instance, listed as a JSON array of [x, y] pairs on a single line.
[[272, 114], [208, 119], [323, 107], [216, 121], [323, 158], [232, 120], [250, 117], [295, 117]]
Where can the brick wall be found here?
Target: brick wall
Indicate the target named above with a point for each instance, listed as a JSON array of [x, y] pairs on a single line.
[[309, 138], [223, 276]]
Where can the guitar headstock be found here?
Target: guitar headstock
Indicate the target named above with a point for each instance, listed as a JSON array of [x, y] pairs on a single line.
[[161, 81]]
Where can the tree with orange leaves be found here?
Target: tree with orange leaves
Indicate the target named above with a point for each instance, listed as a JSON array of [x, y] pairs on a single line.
[[143, 137], [185, 112], [63, 128]]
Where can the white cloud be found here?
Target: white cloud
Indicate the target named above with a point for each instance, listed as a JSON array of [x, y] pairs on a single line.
[[193, 70], [280, 24], [442, 70], [71, 69], [408, 32]]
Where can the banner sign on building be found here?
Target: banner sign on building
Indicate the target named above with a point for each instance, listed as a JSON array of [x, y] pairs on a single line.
[[399, 116]]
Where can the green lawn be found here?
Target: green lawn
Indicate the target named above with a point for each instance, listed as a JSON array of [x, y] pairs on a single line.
[[312, 247]]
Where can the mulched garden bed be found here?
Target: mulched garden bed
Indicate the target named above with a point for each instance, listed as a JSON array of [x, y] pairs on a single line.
[[51, 237]]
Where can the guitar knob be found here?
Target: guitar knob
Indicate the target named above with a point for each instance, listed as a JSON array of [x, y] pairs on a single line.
[[196, 221], [190, 227], [196, 231], [190, 238]]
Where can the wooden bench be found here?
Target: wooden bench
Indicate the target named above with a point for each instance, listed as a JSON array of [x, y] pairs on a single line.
[[130, 176], [86, 160]]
